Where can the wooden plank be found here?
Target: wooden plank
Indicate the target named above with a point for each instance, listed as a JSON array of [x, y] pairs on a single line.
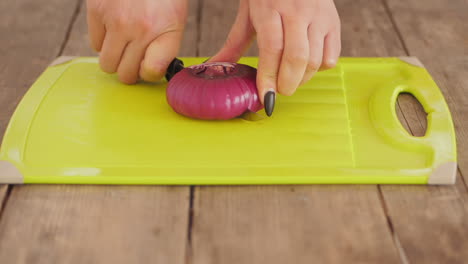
[[191, 34], [29, 43], [94, 224], [296, 224], [78, 43], [3, 196], [436, 33], [413, 210], [367, 31], [4, 117], [26, 47], [432, 222], [215, 24], [285, 224]]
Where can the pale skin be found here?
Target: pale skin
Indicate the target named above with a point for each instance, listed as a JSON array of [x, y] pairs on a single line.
[[137, 39]]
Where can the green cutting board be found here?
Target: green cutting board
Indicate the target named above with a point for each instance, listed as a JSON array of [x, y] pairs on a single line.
[[78, 125]]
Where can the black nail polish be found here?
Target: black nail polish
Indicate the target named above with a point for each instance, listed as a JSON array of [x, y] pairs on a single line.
[[175, 67], [269, 101]]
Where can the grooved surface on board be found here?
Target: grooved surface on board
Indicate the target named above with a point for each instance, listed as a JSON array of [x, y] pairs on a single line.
[[90, 112]]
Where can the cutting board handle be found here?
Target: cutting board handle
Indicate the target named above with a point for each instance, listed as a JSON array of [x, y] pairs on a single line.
[[440, 134]]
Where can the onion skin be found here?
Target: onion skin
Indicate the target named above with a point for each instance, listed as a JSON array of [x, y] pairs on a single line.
[[214, 91]]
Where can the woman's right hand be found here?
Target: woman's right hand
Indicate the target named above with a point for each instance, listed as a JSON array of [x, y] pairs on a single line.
[[138, 39]]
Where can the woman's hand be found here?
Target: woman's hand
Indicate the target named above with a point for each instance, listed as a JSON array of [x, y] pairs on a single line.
[[136, 38], [296, 38]]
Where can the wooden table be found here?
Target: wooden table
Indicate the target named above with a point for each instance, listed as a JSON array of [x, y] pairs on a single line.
[[255, 224]]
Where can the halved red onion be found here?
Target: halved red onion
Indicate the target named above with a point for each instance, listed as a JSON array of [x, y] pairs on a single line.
[[214, 91]]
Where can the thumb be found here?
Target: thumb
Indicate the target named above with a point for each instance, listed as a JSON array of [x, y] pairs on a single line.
[[239, 39]]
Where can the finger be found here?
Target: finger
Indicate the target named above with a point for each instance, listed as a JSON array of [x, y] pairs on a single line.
[[332, 50], [270, 45], [129, 66], [112, 51], [239, 39], [315, 53], [295, 56], [159, 54], [96, 29]]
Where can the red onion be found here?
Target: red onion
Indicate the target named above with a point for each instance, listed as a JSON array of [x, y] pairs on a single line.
[[214, 91]]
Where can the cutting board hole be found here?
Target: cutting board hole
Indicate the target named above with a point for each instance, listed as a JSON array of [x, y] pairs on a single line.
[[411, 114]]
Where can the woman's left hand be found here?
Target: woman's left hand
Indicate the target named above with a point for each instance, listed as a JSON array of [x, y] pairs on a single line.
[[296, 38]]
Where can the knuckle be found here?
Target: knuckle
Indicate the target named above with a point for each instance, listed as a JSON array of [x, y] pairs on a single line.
[[146, 28], [272, 50], [294, 18], [119, 22], [270, 76], [174, 25], [272, 47], [295, 58]]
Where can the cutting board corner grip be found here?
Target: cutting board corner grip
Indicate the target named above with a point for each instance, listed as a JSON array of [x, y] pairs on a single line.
[[9, 173]]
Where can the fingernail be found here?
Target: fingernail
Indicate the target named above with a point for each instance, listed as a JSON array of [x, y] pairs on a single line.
[[175, 67], [269, 101], [329, 64]]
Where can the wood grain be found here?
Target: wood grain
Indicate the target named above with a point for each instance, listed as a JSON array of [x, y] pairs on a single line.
[[436, 32], [78, 42], [429, 223], [367, 31], [191, 35], [94, 224], [30, 40], [285, 224], [301, 224], [3, 196], [216, 21], [4, 117], [432, 222], [414, 210], [414, 114]]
